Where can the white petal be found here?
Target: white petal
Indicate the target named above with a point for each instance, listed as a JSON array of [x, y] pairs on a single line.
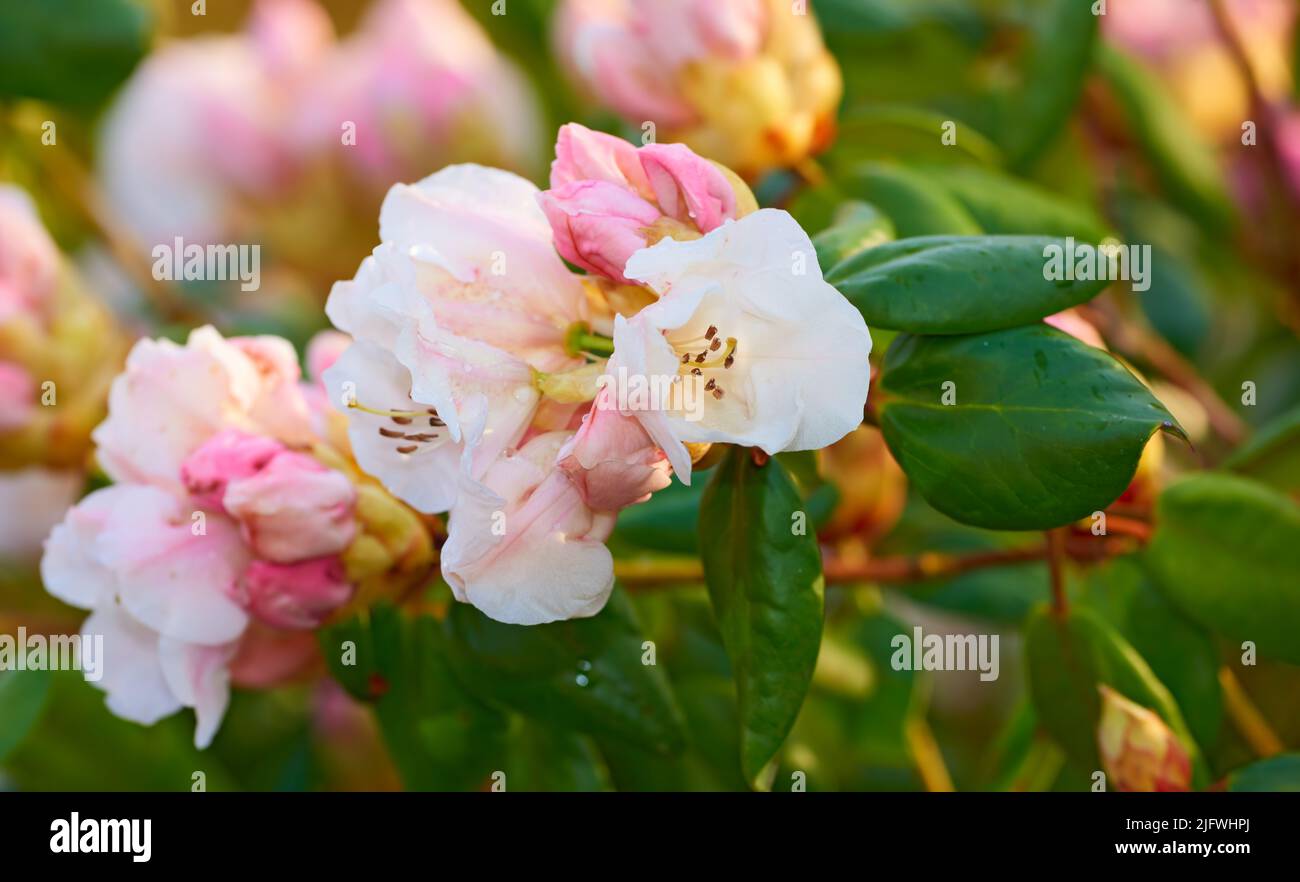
[[200, 677], [132, 673]]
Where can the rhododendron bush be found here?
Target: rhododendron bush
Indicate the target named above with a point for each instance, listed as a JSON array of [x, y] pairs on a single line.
[[691, 395]]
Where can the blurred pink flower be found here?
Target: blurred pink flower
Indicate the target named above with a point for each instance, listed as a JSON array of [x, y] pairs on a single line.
[[745, 82], [213, 522], [29, 260], [609, 199]]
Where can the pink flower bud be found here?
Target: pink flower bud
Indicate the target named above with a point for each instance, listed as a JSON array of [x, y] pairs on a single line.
[[296, 596], [293, 509], [29, 261], [612, 460], [228, 456], [609, 199], [1138, 750]]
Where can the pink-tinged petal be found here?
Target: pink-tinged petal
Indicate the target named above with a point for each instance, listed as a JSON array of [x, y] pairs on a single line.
[[200, 677], [132, 673], [268, 658], [582, 154], [72, 568], [598, 225], [523, 547], [227, 456], [323, 350], [295, 596], [292, 37], [293, 509], [29, 259], [17, 396], [687, 186], [677, 32], [176, 569], [612, 460], [277, 406], [1076, 326]]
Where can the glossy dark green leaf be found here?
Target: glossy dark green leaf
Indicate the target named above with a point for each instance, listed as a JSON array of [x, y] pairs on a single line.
[[1184, 162], [1067, 659], [1226, 551], [1273, 775], [72, 52], [440, 737], [765, 581], [584, 674], [958, 284], [1043, 429], [1181, 653], [544, 758], [914, 205], [1006, 205], [1272, 455], [909, 133]]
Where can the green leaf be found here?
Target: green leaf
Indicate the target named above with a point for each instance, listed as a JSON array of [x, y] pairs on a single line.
[[916, 206], [70, 52], [22, 698], [1043, 431], [542, 758], [907, 134], [585, 674], [1273, 775], [857, 226], [1181, 653], [1272, 456], [1052, 75], [765, 581], [958, 284], [1067, 659], [440, 737], [1184, 162], [1226, 551], [1007, 205]]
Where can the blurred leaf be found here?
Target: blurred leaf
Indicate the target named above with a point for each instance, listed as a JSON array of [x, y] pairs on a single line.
[[766, 586], [22, 698], [909, 134], [957, 284], [440, 738], [1276, 774], [1052, 74], [857, 226], [1181, 654], [550, 759], [1044, 430], [1067, 659], [586, 674], [668, 521], [1006, 205], [70, 52], [916, 206], [1183, 161], [1272, 455], [1226, 551], [77, 744]]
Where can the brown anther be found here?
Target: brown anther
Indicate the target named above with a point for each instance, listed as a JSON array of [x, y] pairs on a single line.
[[422, 437], [715, 345], [711, 332], [718, 393], [697, 372], [402, 421], [699, 359], [434, 421], [390, 433], [408, 448], [686, 358], [709, 386], [730, 360]]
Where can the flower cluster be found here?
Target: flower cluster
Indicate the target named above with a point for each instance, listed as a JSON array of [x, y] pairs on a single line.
[[223, 538], [213, 132], [746, 82], [478, 384]]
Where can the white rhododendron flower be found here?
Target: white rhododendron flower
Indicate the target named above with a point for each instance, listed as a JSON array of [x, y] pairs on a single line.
[[781, 354], [451, 315]]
